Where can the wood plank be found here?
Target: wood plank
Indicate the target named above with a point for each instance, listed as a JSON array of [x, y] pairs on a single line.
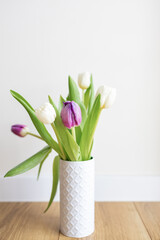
[[120, 221], [26, 221], [150, 215], [116, 221]]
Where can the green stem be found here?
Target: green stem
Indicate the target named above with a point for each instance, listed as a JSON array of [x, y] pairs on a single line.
[[34, 135], [83, 95], [73, 133], [59, 142]]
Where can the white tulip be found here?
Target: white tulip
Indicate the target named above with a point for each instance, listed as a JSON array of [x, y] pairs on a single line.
[[108, 96], [84, 80], [46, 113]]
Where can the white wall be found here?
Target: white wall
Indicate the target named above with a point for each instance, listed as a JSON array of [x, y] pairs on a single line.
[[42, 42]]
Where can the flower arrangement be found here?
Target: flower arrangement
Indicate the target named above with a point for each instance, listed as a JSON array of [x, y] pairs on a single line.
[[74, 122]]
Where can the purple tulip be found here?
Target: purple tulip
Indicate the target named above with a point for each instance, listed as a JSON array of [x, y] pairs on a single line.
[[20, 130], [71, 114]]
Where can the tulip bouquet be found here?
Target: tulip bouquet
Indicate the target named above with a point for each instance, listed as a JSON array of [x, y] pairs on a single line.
[[74, 122]]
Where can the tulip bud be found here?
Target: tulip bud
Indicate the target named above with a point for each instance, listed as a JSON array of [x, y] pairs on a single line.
[[20, 130], [71, 114], [46, 113], [108, 96], [84, 80]]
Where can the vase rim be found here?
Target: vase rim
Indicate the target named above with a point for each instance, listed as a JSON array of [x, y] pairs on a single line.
[[92, 158]]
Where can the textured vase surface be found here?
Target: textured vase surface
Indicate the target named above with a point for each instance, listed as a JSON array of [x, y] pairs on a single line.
[[77, 198]]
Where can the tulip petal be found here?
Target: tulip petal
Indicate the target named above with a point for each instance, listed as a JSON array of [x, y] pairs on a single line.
[[76, 113], [46, 113], [111, 98], [20, 130], [67, 116], [71, 114], [84, 80]]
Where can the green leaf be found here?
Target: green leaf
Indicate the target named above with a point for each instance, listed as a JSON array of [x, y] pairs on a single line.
[[54, 105], [61, 101], [84, 114], [74, 95], [89, 154], [18, 96], [38, 124], [40, 165], [91, 100], [55, 181], [68, 98], [30, 162], [87, 97], [70, 146], [78, 134], [89, 130], [39, 169]]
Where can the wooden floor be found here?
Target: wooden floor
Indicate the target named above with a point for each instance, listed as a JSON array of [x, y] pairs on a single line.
[[114, 221]]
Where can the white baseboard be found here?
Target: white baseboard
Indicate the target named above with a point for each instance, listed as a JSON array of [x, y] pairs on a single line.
[[107, 188]]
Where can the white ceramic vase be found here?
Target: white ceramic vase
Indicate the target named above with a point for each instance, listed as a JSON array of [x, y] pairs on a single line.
[[77, 198]]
